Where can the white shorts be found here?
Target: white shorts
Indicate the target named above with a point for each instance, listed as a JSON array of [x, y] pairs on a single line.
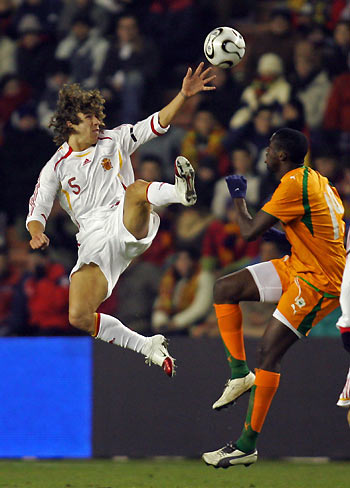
[[104, 240], [269, 285]]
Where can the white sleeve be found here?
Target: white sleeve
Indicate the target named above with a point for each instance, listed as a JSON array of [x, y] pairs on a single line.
[[40, 203], [133, 136], [201, 303]]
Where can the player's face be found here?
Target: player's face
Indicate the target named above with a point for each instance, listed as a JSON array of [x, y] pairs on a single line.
[[272, 160], [88, 128]]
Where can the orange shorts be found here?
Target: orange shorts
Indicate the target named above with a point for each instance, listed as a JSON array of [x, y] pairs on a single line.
[[301, 305]]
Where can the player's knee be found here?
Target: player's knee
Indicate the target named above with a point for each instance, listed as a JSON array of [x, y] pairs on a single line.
[[267, 358], [225, 291], [79, 319], [346, 340], [137, 190]]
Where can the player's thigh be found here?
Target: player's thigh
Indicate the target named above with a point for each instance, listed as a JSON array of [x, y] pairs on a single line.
[[136, 212], [301, 307], [236, 287], [88, 289]]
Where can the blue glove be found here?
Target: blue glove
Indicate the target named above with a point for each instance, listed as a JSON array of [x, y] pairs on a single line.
[[237, 186]]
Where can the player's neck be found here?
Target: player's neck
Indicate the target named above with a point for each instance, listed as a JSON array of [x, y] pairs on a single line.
[[78, 144]]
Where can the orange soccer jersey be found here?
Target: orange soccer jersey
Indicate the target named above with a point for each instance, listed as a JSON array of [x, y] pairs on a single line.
[[311, 212]]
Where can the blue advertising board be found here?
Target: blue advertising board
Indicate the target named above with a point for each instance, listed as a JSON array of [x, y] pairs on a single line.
[[45, 397]]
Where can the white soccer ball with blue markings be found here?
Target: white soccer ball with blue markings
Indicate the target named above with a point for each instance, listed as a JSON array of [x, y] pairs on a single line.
[[224, 47]]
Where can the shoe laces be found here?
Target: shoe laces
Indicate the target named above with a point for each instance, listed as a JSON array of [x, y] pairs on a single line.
[[227, 449]]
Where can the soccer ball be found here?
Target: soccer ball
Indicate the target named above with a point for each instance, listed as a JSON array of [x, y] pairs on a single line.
[[224, 47]]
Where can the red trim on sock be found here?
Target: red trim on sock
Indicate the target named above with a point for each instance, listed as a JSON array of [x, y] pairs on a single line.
[[147, 191], [344, 329], [97, 324]]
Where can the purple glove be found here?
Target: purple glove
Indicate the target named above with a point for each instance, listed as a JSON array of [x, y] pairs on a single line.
[[237, 186]]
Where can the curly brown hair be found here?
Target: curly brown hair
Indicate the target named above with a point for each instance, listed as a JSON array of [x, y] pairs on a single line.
[[73, 99]]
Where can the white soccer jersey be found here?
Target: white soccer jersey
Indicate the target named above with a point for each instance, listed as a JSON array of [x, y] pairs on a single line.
[[94, 179]]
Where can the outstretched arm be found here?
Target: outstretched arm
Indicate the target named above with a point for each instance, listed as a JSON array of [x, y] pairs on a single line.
[[193, 83], [251, 227]]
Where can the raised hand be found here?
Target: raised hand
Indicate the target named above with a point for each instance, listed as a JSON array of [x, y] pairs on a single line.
[[237, 186], [197, 81]]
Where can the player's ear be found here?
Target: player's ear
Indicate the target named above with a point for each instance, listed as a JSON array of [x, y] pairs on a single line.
[[283, 156]]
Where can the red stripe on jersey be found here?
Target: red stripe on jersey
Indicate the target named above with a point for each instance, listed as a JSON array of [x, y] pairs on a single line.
[[44, 217], [100, 138], [153, 128], [63, 157]]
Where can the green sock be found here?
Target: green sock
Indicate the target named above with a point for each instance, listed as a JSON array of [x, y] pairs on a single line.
[[239, 368], [249, 437]]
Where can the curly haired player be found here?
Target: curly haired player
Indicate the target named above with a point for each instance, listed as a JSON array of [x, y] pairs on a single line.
[[93, 177]]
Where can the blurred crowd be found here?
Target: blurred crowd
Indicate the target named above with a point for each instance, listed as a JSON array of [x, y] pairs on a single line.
[[296, 73]]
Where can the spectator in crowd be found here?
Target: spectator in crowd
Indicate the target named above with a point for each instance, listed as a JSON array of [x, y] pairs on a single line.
[[206, 178], [226, 98], [130, 70], [70, 11], [85, 51], [44, 12], [13, 93], [185, 294], [9, 277], [150, 168], [175, 25], [34, 51], [269, 87], [337, 56], [256, 134], [7, 11], [7, 55], [41, 300], [293, 115], [241, 163], [336, 120], [224, 249], [24, 139], [310, 84], [55, 79], [326, 162], [205, 139], [279, 39], [136, 292]]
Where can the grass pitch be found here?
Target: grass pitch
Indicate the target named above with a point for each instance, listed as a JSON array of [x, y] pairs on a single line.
[[170, 474]]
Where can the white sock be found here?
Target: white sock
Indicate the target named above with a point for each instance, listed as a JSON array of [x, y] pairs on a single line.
[[110, 329], [159, 194]]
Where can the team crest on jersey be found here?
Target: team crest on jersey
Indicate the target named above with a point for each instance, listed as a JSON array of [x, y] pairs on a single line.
[[106, 164]]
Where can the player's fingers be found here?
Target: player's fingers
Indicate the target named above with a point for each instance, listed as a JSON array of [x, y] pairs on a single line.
[[199, 68], [206, 72], [189, 72], [206, 88], [208, 80]]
